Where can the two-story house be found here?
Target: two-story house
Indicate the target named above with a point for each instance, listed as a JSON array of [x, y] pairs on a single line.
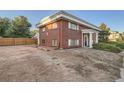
[[63, 30]]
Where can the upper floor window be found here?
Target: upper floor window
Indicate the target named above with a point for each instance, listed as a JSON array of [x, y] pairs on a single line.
[[43, 29], [54, 25], [73, 26]]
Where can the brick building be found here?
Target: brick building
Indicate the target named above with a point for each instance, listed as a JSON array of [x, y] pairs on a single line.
[[63, 30]]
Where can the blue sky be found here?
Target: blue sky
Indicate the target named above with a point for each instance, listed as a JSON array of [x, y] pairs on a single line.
[[114, 19]]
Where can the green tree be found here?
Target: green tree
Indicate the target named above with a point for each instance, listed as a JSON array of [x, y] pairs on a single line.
[[20, 27], [5, 24], [103, 36], [33, 32]]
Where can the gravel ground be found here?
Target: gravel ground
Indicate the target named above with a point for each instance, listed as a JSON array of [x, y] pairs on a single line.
[[28, 63]]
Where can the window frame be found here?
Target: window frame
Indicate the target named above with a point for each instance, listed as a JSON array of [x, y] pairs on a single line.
[[44, 41], [73, 42], [54, 26], [43, 29], [71, 26], [54, 43]]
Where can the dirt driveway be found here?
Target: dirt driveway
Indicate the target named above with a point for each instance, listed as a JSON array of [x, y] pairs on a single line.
[[28, 63]]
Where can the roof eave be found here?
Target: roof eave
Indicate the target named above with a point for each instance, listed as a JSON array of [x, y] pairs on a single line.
[[68, 16]]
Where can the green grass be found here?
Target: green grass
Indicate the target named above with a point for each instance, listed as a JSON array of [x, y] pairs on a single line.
[[108, 47], [117, 44]]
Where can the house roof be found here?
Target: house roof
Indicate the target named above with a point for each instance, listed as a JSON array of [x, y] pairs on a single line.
[[63, 14]]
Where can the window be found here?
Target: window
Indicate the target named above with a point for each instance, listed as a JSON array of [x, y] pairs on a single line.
[[43, 29], [73, 42], [54, 25], [54, 42], [43, 41], [73, 26], [77, 27]]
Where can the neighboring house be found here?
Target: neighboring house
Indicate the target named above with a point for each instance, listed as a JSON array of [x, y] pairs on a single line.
[[64, 30], [114, 36]]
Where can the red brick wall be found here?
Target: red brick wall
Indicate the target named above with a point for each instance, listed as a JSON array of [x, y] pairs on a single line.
[[48, 35], [61, 34], [71, 34]]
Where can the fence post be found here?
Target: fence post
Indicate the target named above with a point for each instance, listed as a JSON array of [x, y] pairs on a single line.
[[25, 41], [14, 41]]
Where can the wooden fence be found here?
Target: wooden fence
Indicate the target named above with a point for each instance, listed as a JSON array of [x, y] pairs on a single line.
[[17, 41]]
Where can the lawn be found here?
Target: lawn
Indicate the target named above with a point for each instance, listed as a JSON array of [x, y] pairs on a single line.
[[115, 47]]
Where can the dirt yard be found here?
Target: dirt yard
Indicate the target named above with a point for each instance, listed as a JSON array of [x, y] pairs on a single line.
[[28, 63]]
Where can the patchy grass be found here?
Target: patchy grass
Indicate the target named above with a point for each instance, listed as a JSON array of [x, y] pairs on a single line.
[[117, 44], [107, 47]]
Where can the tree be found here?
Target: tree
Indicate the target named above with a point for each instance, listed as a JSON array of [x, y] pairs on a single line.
[[5, 23], [20, 27], [103, 26], [33, 32], [104, 33]]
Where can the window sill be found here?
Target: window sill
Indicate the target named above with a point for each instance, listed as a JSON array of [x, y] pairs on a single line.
[[53, 29], [73, 29]]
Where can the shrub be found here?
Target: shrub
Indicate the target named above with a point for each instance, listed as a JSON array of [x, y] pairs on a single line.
[[107, 47], [112, 42], [120, 45], [117, 44]]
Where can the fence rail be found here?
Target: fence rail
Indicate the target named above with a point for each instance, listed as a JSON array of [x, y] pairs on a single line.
[[17, 41]]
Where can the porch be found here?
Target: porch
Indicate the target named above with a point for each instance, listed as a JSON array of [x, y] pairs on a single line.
[[89, 37]]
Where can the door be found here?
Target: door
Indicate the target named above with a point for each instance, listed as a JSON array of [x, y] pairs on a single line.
[[86, 40]]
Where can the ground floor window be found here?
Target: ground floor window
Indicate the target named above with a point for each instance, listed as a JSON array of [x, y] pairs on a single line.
[[73, 42], [54, 42], [43, 41]]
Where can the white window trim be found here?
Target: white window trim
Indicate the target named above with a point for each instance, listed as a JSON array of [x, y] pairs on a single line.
[[54, 42], [54, 25], [43, 29], [76, 41], [69, 42], [69, 26], [77, 27]]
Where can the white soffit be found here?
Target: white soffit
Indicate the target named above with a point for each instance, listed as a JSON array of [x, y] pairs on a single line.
[[89, 31]]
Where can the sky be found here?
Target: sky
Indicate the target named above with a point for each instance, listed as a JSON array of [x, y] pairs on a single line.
[[112, 18]]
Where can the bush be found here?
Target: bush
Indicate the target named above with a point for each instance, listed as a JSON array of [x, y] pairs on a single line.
[[120, 45], [117, 44], [112, 42], [107, 47]]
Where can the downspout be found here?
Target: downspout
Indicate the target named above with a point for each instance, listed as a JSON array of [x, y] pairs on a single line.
[[61, 43], [39, 37], [58, 34], [47, 38]]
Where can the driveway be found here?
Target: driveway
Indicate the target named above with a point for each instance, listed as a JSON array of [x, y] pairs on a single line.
[[28, 63]]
